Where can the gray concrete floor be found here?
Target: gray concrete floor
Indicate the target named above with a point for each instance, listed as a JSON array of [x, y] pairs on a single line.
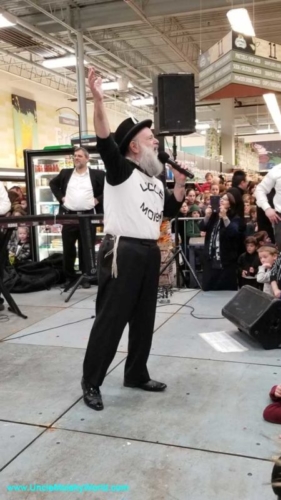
[[204, 438]]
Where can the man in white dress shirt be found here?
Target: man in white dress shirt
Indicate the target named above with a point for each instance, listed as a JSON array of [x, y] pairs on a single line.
[[271, 181], [79, 190]]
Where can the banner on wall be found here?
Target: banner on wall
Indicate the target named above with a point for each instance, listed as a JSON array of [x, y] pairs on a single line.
[[269, 153], [240, 66], [25, 126]]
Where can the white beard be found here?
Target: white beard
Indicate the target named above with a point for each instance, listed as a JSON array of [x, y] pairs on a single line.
[[149, 162]]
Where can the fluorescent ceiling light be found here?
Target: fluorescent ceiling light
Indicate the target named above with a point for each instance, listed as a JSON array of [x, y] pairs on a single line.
[[202, 126], [146, 101], [60, 62], [274, 109], [114, 85], [240, 21], [265, 130], [4, 21]]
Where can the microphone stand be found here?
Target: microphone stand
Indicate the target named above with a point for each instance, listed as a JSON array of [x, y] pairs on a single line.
[[178, 248]]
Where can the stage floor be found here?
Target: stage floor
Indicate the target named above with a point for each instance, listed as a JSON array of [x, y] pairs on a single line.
[[204, 438]]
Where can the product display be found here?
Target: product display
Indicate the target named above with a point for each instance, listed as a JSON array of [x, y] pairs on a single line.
[[41, 167]]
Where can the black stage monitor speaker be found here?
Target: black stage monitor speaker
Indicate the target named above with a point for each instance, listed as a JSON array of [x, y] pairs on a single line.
[[174, 104], [257, 314]]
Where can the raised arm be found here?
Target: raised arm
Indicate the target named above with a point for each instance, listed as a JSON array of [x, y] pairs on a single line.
[[101, 124]]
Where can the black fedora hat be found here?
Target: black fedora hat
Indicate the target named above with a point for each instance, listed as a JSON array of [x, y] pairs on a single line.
[[127, 131]]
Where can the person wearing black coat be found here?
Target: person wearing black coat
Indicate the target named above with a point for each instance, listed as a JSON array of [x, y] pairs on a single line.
[[223, 234], [78, 190]]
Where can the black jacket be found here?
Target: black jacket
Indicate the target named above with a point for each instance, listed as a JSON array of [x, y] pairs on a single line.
[[58, 185], [229, 238], [238, 194]]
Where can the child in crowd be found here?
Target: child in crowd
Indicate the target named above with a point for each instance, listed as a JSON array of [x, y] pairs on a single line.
[[207, 185], [272, 412], [192, 227], [267, 255], [252, 226], [275, 278], [215, 190], [19, 251], [262, 238], [248, 264]]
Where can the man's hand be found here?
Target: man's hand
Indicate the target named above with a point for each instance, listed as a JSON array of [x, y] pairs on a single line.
[[277, 393], [95, 83], [208, 212], [277, 293], [272, 215], [251, 270], [244, 274], [179, 178]]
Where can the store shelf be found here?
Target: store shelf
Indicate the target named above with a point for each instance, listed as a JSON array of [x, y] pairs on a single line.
[[47, 203], [50, 234], [39, 174]]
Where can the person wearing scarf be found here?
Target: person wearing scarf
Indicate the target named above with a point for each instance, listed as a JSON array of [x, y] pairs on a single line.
[[223, 233]]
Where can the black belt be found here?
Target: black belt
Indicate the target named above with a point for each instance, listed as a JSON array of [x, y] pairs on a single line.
[[77, 212], [139, 241]]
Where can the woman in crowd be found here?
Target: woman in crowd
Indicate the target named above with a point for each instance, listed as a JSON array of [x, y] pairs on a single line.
[[223, 233], [190, 197]]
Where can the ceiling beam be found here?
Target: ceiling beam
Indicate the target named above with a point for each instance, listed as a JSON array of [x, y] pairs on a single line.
[[180, 47], [113, 14]]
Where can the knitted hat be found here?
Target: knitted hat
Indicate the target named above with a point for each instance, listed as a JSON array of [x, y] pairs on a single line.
[[194, 208], [127, 130]]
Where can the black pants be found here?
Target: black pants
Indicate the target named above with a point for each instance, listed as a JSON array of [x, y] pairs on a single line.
[[219, 279], [70, 235], [129, 298]]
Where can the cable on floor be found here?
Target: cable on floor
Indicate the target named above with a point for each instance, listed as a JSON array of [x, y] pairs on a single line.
[[192, 310], [47, 329], [4, 318]]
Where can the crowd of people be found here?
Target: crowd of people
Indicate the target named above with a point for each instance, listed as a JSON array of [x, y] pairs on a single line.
[[237, 226], [13, 203]]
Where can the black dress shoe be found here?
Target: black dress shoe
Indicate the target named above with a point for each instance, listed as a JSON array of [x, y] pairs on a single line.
[[92, 396], [151, 385]]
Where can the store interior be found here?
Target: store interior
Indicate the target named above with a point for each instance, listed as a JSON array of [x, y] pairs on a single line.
[[205, 438]]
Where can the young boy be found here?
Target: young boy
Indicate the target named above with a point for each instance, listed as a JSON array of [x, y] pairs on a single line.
[[267, 255], [192, 227], [275, 278], [19, 251], [248, 264]]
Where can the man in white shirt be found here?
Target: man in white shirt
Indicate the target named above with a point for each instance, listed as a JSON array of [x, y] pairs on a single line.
[[79, 190], [5, 206], [271, 181]]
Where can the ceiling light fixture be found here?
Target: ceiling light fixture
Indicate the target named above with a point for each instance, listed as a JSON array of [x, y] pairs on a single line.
[[146, 101], [202, 126], [6, 21], [274, 109], [60, 62], [240, 21], [114, 85], [265, 131]]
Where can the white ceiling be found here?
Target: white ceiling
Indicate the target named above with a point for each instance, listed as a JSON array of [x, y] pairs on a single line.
[[137, 39]]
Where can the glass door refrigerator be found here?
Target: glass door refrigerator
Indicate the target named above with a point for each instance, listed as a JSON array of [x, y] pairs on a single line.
[[40, 167]]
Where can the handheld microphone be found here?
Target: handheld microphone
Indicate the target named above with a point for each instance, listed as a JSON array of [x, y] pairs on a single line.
[[165, 158]]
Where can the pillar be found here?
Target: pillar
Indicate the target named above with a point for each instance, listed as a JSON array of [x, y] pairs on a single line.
[[227, 131], [81, 87]]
